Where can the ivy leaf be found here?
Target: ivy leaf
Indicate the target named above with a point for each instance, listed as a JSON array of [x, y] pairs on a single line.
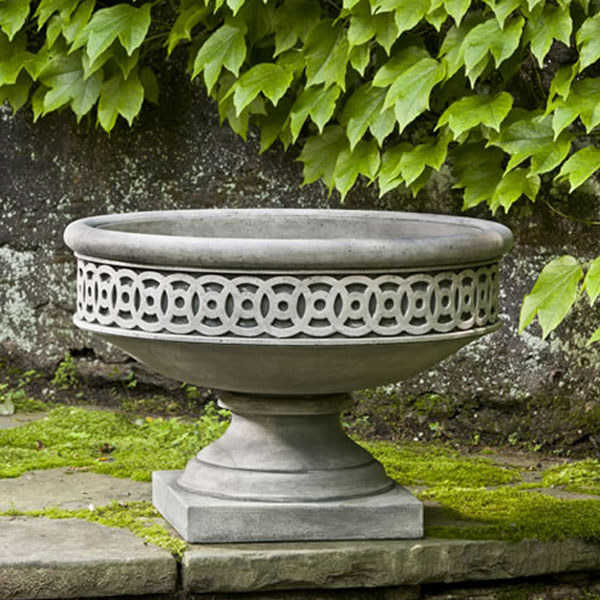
[[17, 93], [226, 47], [529, 137], [452, 49], [63, 76], [414, 161], [116, 53], [588, 41], [591, 283], [512, 186], [320, 155], [561, 83], [13, 14], [437, 17], [73, 29], [551, 155], [502, 9], [267, 78], [580, 167], [150, 83], [363, 160], [409, 94], [190, 15], [326, 53], [238, 123], [293, 20], [457, 9], [582, 102], [120, 97], [316, 102], [46, 8], [390, 171], [553, 294], [362, 110], [466, 113], [235, 5], [273, 123], [383, 125], [489, 37], [360, 57], [363, 27], [553, 24], [478, 170], [13, 58], [595, 336], [408, 13], [123, 21], [398, 64]]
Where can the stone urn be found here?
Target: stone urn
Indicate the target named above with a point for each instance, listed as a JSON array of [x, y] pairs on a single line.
[[286, 312]]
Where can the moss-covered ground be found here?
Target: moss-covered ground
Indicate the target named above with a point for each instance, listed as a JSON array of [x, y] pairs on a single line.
[[488, 498], [482, 497]]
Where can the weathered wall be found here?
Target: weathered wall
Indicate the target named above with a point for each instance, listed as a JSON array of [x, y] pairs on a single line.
[[180, 157]]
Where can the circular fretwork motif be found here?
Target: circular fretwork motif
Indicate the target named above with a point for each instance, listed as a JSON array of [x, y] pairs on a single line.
[[285, 306]]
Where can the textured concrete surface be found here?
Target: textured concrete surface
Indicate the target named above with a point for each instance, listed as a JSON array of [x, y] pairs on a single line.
[[253, 567], [199, 518], [43, 558], [68, 489], [70, 558]]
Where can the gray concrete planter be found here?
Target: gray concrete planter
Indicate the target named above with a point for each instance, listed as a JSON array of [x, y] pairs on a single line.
[[287, 311]]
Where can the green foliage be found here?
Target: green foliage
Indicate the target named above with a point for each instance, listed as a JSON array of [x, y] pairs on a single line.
[[383, 91], [560, 284], [17, 400], [106, 443], [367, 81], [65, 376]]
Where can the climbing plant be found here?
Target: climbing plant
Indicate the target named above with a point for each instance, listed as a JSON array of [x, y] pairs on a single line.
[[504, 92]]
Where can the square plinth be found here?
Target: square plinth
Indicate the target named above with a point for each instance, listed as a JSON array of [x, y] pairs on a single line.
[[395, 514]]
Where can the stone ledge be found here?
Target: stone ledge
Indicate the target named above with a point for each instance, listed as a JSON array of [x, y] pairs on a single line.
[[257, 567], [71, 558]]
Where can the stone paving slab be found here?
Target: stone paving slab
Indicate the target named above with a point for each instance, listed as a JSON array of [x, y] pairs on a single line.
[[256, 567], [65, 488], [71, 558]]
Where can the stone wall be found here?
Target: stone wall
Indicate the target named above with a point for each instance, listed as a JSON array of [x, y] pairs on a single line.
[[179, 156]]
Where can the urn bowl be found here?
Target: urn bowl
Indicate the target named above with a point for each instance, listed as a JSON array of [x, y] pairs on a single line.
[[294, 302]]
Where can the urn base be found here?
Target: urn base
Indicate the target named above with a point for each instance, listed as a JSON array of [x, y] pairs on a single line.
[[394, 514]]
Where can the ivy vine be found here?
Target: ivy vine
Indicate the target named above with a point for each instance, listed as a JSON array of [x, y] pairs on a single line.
[[504, 92]]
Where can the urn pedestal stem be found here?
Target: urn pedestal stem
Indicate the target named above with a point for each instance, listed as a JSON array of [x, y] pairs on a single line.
[[285, 460]]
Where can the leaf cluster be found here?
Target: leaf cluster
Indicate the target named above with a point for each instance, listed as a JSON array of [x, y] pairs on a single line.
[[505, 93], [389, 90]]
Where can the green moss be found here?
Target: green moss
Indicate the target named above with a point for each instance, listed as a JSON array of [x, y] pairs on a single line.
[[106, 442], [137, 517], [582, 476], [417, 463], [513, 514]]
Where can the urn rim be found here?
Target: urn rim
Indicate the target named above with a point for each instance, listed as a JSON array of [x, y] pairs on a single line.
[[289, 239]]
